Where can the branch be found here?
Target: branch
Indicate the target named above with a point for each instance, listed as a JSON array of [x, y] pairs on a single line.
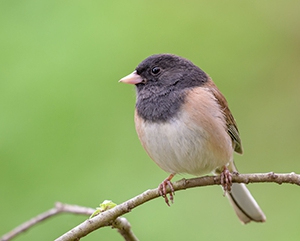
[[124, 229], [120, 223], [107, 218]]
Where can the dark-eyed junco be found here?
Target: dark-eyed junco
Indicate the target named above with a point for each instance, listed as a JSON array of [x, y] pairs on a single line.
[[184, 124]]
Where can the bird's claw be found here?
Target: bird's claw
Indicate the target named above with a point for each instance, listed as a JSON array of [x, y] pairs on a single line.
[[163, 190], [226, 180]]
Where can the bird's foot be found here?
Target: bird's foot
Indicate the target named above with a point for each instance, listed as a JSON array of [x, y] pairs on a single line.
[[226, 180], [163, 189]]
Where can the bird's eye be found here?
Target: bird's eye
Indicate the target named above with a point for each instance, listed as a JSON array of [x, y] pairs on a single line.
[[155, 70]]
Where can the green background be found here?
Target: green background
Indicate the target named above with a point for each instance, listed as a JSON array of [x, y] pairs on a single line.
[[66, 124]]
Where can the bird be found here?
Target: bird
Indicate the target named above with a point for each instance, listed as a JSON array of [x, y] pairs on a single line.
[[185, 125]]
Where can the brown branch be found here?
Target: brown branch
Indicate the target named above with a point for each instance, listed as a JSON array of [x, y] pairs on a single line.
[[59, 208], [124, 229], [112, 217], [120, 223], [106, 218]]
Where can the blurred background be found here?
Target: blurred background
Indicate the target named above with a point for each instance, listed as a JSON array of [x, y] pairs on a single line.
[[66, 124]]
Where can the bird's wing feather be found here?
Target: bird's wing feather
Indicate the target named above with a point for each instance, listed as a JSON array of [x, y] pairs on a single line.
[[230, 121]]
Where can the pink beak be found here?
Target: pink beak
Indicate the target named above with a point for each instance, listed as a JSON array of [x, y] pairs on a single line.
[[132, 78]]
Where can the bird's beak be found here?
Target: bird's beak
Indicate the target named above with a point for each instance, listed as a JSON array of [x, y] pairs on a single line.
[[132, 78]]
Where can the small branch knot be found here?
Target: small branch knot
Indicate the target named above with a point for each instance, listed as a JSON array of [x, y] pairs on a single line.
[[272, 175]]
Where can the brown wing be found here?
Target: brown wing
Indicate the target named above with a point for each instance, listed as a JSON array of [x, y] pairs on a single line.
[[230, 121]]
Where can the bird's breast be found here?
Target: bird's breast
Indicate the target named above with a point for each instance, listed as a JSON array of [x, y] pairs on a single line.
[[194, 142]]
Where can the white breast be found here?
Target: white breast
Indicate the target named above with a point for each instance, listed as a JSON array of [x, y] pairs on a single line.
[[195, 143]]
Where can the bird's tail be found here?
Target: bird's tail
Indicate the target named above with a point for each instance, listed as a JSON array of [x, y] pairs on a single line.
[[243, 202]]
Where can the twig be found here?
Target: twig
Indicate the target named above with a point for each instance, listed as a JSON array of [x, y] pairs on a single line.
[[124, 229], [107, 217], [120, 223], [112, 217]]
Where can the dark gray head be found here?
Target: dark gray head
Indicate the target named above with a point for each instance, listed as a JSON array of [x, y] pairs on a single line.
[[167, 70], [162, 81]]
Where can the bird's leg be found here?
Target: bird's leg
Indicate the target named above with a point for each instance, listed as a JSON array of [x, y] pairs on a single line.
[[226, 180], [163, 189]]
